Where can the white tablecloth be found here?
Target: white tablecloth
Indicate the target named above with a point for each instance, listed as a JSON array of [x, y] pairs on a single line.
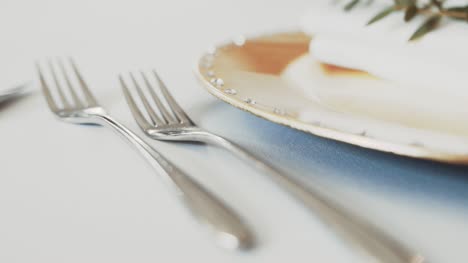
[[80, 194]]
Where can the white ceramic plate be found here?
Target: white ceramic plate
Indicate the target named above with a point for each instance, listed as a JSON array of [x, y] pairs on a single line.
[[273, 77]]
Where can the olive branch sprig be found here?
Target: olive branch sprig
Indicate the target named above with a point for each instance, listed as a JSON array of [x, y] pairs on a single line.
[[434, 11]]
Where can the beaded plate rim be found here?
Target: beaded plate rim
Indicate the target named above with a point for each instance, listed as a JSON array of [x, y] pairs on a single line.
[[205, 71]]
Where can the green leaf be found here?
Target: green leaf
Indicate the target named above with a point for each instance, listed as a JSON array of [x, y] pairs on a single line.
[[382, 14], [410, 12], [404, 3], [458, 8], [461, 9], [437, 4], [351, 5], [426, 27]]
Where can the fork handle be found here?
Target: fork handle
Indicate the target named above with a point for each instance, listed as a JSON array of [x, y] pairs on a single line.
[[229, 229], [368, 239]]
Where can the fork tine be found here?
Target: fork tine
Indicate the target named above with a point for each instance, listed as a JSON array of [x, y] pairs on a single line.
[[153, 116], [46, 90], [164, 112], [140, 119], [88, 95], [176, 109], [65, 103], [75, 98]]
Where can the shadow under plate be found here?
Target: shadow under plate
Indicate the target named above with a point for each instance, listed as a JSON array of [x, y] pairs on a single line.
[[306, 155]]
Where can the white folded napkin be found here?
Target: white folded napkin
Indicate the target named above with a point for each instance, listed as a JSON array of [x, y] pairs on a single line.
[[438, 61], [421, 94]]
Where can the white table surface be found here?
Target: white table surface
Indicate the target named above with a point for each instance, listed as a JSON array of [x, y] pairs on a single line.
[[80, 194]]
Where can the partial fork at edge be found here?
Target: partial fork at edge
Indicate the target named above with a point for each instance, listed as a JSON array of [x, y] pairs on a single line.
[[230, 230], [173, 124], [13, 92]]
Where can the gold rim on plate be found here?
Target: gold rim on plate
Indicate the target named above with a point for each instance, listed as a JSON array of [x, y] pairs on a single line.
[[246, 73]]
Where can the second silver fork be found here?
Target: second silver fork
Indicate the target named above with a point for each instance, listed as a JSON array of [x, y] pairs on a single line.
[[173, 124]]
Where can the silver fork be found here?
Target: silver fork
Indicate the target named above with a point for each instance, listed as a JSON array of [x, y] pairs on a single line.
[[173, 124], [228, 228], [13, 92]]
